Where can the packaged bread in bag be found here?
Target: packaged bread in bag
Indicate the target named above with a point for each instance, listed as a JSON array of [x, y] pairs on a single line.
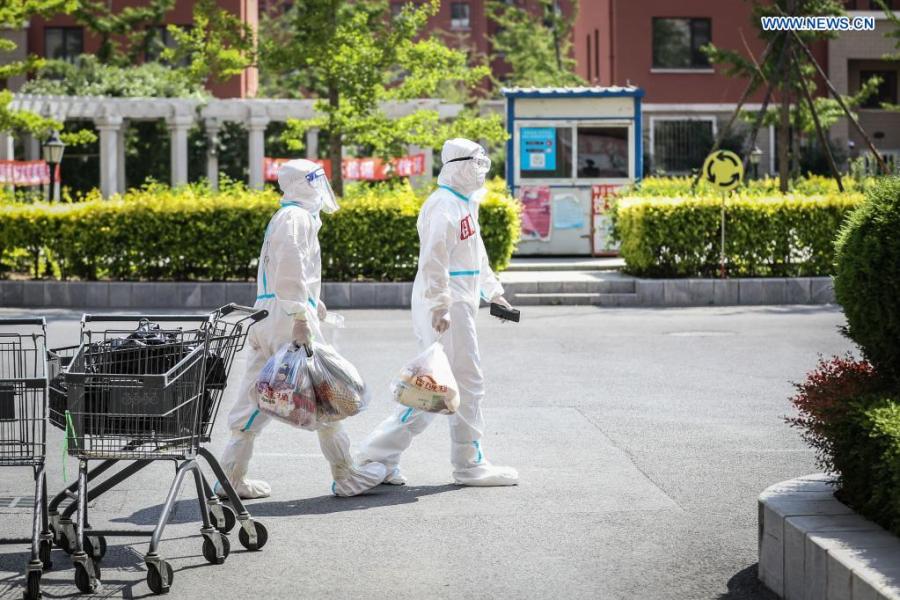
[[427, 383]]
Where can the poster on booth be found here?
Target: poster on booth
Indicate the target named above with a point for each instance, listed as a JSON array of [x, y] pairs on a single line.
[[535, 213], [602, 243], [538, 148]]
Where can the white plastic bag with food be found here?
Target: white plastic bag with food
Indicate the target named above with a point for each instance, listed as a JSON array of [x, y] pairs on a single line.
[[339, 388], [427, 383], [285, 389]]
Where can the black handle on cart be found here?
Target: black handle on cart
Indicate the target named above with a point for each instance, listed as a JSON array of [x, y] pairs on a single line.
[[257, 314], [25, 321], [108, 318]]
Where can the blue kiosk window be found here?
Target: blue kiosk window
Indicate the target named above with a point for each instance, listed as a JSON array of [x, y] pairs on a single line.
[[545, 152]]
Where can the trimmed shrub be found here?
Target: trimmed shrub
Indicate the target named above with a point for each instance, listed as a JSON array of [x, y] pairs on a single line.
[[852, 420], [767, 187], [192, 233], [867, 276], [764, 236]]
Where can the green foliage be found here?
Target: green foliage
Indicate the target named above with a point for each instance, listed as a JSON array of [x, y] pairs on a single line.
[[353, 56], [766, 236], [219, 45], [125, 33], [669, 187], [88, 76], [537, 47], [194, 233], [867, 276]]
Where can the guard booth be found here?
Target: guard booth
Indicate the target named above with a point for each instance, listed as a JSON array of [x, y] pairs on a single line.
[[569, 150]]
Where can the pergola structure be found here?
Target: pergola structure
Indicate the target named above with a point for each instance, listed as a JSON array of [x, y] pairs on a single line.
[[111, 115]]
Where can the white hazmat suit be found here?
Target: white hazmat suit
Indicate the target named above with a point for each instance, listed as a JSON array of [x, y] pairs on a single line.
[[289, 280], [453, 275]]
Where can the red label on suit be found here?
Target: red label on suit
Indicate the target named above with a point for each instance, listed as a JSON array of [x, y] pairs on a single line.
[[466, 228]]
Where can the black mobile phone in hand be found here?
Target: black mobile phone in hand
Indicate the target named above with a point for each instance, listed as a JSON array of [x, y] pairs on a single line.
[[506, 314]]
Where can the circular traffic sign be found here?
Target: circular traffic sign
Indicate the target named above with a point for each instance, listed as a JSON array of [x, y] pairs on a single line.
[[724, 169]]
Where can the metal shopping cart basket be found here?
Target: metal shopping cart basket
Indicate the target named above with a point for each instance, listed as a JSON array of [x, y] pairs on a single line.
[[23, 428], [142, 395]]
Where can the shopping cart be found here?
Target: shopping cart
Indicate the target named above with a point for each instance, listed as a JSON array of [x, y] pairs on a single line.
[[23, 428], [141, 395]]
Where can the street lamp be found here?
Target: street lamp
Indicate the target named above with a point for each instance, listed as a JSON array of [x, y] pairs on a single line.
[[755, 157], [53, 153]]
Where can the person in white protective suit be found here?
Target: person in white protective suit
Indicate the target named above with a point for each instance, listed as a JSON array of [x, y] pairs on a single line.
[[288, 286], [453, 275]]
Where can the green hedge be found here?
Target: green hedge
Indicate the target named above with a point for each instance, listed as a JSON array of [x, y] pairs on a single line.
[[776, 236], [767, 187], [193, 233]]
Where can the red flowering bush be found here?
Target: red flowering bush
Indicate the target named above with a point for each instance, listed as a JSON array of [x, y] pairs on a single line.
[[850, 416], [825, 401]]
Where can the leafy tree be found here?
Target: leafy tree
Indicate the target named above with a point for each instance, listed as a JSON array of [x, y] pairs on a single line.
[[15, 15], [893, 34], [536, 46], [353, 56], [779, 71], [218, 46], [125, 33]]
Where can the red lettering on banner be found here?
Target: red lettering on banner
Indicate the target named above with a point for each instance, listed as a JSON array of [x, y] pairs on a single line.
[[25, 172], [359, 169], [466, 228]]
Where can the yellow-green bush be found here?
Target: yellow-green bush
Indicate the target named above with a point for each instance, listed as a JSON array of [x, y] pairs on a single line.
[[194, 233], [766, 236], [815, 185]]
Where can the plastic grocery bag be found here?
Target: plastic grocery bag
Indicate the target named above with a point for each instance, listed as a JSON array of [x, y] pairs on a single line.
[[427, 383], [339, 388], [285, 390]]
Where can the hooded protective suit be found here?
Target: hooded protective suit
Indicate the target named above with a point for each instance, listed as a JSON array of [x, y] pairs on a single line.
[[453, 275], [289, 280]]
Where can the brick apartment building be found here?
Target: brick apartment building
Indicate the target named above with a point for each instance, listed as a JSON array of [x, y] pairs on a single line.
[[61, 37]]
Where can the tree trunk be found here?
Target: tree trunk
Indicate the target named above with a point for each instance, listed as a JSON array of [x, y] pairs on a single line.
[[784, 138], [335, 145]]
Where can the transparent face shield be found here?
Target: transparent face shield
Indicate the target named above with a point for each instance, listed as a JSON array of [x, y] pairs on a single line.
[[319, 182]]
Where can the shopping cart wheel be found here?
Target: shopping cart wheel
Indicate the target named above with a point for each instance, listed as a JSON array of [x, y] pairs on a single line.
[[95, 546], [262, 535], [211, 553], [226, 522], [155, 580], [44, 552], [86, 583], [33, 586]]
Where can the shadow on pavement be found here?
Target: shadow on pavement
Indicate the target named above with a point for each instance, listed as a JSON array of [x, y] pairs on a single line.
[[745, 585], [383, 495]]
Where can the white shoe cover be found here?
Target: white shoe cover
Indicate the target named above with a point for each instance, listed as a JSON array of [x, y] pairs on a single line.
[[247, 489], [486, 475], [395, 477], [361, 479]]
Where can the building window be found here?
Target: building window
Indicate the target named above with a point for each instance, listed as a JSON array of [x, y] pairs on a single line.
[[850, 4], [677, 43], [680, 145], [887, 90], [63, 43], [602, 152], [459, 15]]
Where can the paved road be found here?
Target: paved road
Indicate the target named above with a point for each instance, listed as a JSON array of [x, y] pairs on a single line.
[[642, 437]]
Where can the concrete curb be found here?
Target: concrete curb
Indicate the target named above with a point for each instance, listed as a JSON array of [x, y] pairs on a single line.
[[617, 290], [811, 546]]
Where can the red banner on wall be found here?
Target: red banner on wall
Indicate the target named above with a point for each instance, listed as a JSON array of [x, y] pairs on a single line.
[[360, 169], [25, 172]]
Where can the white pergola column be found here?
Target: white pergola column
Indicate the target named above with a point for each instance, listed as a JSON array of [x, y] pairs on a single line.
[[7, 146], [120, 155], [212, 152], [256, 127], [32, 147], [423, 180], [109, 127], [312, 143], [179, 125]]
